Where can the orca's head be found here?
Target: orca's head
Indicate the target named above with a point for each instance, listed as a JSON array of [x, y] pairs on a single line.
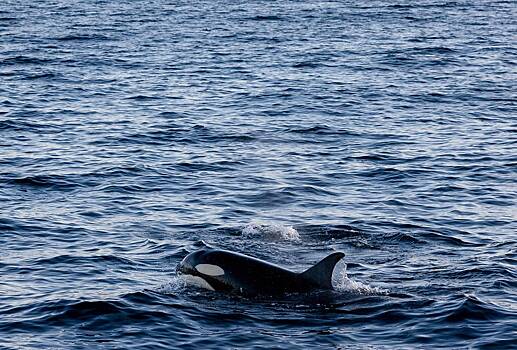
[[186, 266], [197, 269]]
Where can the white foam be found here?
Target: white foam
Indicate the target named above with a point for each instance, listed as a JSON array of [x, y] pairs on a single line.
[[176, 284], [180, 283], [342, 283], [270, 231]]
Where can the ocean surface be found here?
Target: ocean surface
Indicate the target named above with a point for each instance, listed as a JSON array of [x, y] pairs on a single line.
[[134, 132]]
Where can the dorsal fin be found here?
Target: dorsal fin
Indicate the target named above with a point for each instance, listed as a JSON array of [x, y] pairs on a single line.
[[321, 273]]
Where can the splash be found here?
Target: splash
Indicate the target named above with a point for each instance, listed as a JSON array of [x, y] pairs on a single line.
[[342, 283], [271, 231], [175, 285]]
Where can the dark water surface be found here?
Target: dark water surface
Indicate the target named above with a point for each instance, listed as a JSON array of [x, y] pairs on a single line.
[[134, 132]]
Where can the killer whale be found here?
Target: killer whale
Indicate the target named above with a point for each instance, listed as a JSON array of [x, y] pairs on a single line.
[[235, 273]]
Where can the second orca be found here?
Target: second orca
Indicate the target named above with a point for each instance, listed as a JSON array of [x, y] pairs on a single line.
[[236, 273]]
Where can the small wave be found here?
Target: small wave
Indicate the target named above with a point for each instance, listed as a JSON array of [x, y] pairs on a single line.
[[322, 129], [7, 19], [472, 308], [24, 60], [19, 226], [493, 272], [23, 125], [451, 236], [306, 65], [327, 232], [44, 181], [400, 237], [82, 37], [110, 171], [84, 260], [270, 231], [128, 188], [89, 313], [373, 157], [236, 138], [432, 50], [144, 98], [266, 18], [393, 174], [270, 198], [195, 135], [169, 114], [7, 225], [198, 166], [34, 76]]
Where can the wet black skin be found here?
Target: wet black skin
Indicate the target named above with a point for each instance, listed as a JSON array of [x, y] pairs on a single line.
[[249, 276]]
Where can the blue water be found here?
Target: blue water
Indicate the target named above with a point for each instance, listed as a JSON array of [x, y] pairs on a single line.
[[134, 132]]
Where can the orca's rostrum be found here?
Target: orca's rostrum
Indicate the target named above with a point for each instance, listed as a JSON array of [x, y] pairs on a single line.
[[227, 271]]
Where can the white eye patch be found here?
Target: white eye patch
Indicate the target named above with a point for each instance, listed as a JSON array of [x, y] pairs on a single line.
[[210, 270]]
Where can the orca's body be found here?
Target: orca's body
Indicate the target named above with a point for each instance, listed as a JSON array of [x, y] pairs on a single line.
[[236, 273]]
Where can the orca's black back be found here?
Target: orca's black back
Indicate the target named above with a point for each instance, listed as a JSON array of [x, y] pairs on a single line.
[[250, 276]]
